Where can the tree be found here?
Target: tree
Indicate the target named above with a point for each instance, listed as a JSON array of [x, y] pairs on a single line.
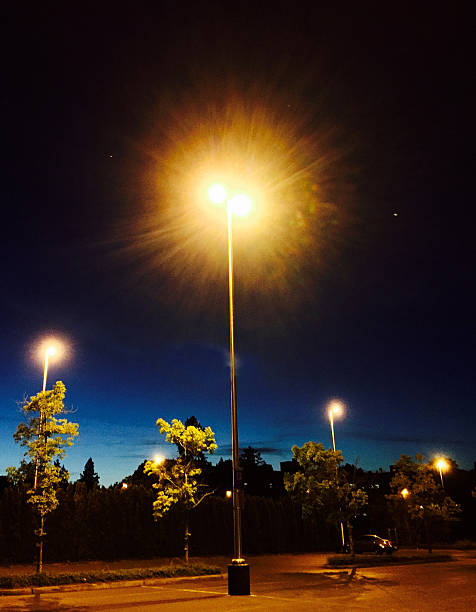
[[24, 474], [200, 459], [424, 502], [62, 473], [89, 476], [178, 480], [322, 489], [139, 477], [251, 457], [45, 437], [258, 476]]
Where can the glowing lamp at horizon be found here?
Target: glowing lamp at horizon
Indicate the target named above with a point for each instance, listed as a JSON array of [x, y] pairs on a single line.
[[442, 466], [405, 493], [158, 459]]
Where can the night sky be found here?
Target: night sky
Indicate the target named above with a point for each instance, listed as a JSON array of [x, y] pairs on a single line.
[[351, 127]]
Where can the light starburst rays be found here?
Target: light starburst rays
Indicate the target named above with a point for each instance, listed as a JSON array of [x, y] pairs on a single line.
[[267, 155]]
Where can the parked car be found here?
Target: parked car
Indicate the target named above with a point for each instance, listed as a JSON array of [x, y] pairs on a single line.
[[373, 543]]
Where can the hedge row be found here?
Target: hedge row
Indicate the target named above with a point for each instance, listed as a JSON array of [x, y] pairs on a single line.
[[115, 523]]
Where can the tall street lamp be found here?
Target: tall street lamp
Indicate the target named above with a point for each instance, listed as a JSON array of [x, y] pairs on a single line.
[[442, 466], [239, 571], [335, 409], [49, 352]]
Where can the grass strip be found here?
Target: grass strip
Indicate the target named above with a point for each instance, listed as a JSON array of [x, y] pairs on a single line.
[[31, 580], [376, 560]]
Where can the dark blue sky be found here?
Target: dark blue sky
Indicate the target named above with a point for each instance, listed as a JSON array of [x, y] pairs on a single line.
[[354, 280]]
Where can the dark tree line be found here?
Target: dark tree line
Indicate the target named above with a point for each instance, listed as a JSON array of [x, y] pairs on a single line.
[[94, 522], [113, 523]]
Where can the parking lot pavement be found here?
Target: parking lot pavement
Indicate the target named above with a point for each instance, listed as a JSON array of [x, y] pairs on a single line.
[[285, 582]]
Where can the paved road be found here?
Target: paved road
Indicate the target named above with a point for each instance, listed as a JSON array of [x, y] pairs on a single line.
[[285, 582]]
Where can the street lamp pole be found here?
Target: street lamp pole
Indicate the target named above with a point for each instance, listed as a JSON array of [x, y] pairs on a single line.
[[441, 475], [441, 465], [49, 351], [238, 571], [331, 418], [336, 408], [237, 480]]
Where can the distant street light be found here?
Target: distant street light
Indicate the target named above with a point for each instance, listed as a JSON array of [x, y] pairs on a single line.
[[442, 466], [238, 571], [49, 351], [405, 493], [336, 409]]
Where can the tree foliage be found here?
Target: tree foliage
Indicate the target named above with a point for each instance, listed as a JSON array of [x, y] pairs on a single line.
[[45, 437], [88, 475], [178, 480], [321, 488], [250, 457], [425, 502]]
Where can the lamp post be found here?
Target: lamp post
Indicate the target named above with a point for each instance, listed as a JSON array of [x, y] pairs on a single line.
[[49, 352], [442, 466], [335, 408], [238, 571]]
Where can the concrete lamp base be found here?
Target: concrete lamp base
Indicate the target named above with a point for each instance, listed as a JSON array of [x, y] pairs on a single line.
[[238, 578]]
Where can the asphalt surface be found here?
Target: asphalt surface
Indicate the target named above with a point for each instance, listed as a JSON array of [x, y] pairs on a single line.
[[283, 582]]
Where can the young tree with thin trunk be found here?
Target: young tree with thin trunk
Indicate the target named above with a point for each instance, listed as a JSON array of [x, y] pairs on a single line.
[[322, 489], [45, 437], [425, 503], [178, 479]]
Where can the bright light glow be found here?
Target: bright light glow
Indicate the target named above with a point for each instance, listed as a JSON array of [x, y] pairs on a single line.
[[336, 409], [405, 493], [256, 144], [442, 465], [217, 193], [159, 459], [124, 485], [240, 205], [50, 347], [228, 493]]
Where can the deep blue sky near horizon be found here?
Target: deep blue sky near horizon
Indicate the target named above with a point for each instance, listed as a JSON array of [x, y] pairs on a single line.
[[358, 284]]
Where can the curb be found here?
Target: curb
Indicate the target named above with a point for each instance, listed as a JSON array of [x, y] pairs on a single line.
[[395, 563], [87, 586]]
